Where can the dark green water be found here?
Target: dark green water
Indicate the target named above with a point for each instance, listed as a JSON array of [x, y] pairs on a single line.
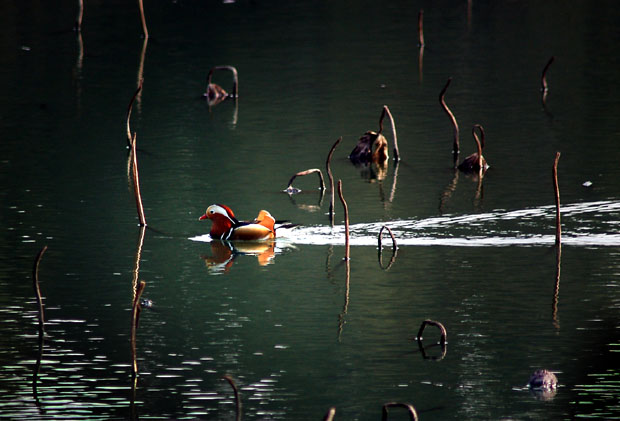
[[295, 336]]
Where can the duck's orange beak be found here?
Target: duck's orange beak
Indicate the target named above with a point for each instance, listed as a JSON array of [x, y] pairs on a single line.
[[205, 216]]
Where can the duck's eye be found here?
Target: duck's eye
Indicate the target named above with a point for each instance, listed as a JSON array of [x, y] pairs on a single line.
[[211, 211]]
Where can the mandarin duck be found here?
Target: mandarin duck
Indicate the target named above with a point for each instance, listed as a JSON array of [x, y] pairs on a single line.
[[475, 162], [226, 227]]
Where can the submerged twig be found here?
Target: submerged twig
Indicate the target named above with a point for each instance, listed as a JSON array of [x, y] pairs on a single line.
[[346, 221], [290, 189], [135, 314], [236, 392], [37, 290], [413, 415], [136, 182], [331, 179], [442, 102], [129, 109], [556, 189], [145, 31], [444, 333]]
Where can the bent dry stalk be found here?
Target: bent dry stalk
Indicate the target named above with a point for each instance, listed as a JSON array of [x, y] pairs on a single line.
[[290, 189], [421, 28], [346, 221], [135, 314], [556, 189], [37, 290], [236, 392], [413, 415], [129, 109], [444, 333], [442, 102], [145, 31], [136, 182], [386, 110], [331, 180]]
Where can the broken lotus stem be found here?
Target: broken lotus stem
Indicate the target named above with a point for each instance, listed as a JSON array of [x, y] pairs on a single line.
[[543, 80], [135, 312], [421, 28], [346, 221], [455, 147], [413, 415], [444, 333], [143, 19], [331, 179], [291, 189], [556, 189], [236, 392], [386, 110], [136, 182], [394, 246], [129, 108], [37, 290]]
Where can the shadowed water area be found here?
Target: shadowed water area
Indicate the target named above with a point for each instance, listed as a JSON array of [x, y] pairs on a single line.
[[298, 329]]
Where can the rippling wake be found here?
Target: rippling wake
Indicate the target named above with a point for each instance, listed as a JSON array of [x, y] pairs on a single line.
[[583, 224]]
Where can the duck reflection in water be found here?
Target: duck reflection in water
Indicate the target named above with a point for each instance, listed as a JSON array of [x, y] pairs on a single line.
[[224, 253]]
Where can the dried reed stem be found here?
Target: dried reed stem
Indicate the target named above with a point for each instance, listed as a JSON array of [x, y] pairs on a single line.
[[78, 19], [444, 333], [331, 179], [413, 415], [37, 290], [233, 69], [386, 110], [556, 190], [442, 102], [129, 108], [421, 28], [394, 246], [236, 392], [346, 221], [136, 182], [331, 412], [135, 312], [556, 291], [143, 19], [307, 172], [543, 80]]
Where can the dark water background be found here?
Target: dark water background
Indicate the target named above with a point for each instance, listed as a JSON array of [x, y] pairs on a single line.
[[478, 257]]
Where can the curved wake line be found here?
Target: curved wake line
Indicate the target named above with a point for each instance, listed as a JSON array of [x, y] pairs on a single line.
[[473, 230]]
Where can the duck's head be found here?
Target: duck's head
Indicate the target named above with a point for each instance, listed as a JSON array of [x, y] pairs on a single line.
[[223, 219]]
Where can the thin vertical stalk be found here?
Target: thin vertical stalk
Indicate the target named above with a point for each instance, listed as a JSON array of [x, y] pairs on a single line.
[[346, 221], [145, 31], [556, 290], [129, 109], [236, 392], [136, 182], [556, 190], [386, 110], [331, 180], [329, 416], [78, 19], [37, 290], [543, 79], [135, 310], [421, 28], [442, 102]]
